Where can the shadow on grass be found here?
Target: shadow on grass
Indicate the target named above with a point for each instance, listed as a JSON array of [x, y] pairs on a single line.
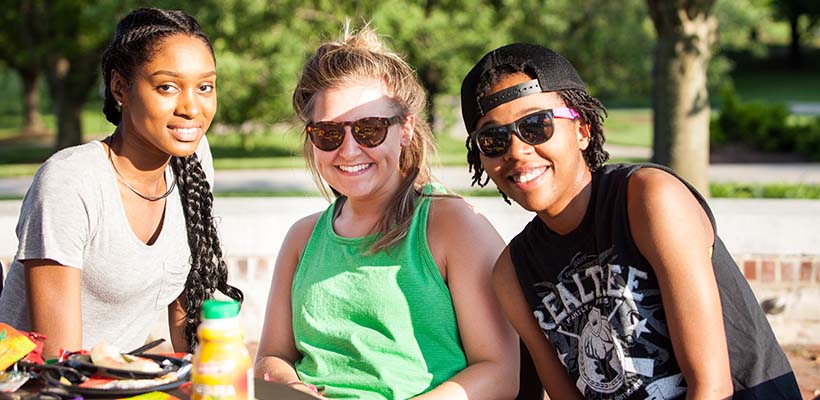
[[24, 153], [21, 150], [228, 151], [254, 145]]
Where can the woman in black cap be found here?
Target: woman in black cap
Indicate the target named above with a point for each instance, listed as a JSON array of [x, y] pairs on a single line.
[[620, 286]]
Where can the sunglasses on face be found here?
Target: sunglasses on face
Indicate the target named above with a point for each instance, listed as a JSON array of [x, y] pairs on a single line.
[[533, 129], [368, 132]]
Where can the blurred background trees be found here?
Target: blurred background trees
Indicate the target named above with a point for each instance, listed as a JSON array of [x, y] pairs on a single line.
[[619, 49]]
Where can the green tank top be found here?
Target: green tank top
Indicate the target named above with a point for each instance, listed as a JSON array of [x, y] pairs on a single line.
[[373, 326]]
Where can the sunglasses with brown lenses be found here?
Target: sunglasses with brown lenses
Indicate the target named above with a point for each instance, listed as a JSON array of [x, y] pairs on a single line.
[[368, 132]]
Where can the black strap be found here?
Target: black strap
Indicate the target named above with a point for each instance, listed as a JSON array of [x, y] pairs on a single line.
[[511, 93]]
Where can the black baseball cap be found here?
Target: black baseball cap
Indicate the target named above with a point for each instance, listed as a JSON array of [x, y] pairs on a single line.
[[553, 72]]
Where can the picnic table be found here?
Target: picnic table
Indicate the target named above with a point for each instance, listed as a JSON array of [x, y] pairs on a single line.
[[264, 390]]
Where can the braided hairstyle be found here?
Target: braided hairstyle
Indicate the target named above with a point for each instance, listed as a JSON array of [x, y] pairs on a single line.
[[208, 270], [138, 37], [590, 109]]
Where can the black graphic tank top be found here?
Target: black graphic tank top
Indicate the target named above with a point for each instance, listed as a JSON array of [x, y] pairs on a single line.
[[598, 301]]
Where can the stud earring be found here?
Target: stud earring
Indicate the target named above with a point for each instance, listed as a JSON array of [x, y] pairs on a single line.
[[119, 103]]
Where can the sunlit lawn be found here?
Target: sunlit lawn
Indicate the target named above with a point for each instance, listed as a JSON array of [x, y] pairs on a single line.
[[282, 149], [275, 149]]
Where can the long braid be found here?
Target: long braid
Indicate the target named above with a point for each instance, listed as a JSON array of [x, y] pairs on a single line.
[[208, 270]]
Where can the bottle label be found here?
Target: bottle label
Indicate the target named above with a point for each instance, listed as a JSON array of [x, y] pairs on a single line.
[[222, 379]]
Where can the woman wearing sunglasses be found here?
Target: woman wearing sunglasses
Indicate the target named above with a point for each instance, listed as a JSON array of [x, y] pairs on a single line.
[[620, 286], [386, 294], [114, 232]]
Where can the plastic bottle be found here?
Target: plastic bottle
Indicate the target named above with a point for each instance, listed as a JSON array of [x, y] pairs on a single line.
[[221, 366]]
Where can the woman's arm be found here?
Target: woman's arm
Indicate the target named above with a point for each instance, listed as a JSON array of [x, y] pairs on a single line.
[[54, 304], [465, 243], [673, 232], [277, 348], [552, 373], [176, 324]]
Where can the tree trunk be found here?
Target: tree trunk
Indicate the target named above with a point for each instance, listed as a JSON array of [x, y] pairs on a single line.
[[430, 79], [69, 123], [680, 103], [795, 53], [32, 120], [70, 81]]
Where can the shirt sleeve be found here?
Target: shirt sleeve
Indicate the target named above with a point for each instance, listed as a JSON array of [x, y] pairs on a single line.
[[55, 218]]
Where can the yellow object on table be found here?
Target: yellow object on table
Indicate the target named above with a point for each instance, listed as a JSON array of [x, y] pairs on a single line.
[[152, 396], [13, 346]]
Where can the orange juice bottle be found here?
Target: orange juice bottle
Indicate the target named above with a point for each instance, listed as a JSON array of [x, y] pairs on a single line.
[[221, 366]]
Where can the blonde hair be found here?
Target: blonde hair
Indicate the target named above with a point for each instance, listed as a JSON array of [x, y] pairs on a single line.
[[353, 58]]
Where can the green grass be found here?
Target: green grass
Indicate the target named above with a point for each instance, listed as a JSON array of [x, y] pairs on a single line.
[[778, 88], [94, 124], [769, 191], [720, 190], [12, 154], [771, 79], [14, 170], [629, 127], [259, 163], [451, 150]]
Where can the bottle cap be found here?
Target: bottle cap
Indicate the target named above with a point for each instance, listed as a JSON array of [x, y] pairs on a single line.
[[219, 309]]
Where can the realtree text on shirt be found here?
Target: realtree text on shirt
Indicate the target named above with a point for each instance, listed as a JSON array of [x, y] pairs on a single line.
[[598, 301]]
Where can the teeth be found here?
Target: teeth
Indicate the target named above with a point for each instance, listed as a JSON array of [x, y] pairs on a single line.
[[353, 168], [186, 131], [529, 175]]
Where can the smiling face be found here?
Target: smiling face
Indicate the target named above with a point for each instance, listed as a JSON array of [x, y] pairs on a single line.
[[356, 171], [171, 99], [543, 178]]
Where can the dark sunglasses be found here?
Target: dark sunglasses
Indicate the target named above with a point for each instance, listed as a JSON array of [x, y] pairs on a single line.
[[368, 132], [533, 129]]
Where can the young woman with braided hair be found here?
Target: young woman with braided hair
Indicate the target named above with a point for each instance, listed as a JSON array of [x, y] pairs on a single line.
[[114, 231]]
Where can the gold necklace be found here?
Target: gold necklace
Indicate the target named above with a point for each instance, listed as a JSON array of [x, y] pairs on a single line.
[[128, 185]]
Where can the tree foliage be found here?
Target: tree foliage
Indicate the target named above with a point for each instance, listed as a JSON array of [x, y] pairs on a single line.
[[802, 17], [261, 45], [19, 36]]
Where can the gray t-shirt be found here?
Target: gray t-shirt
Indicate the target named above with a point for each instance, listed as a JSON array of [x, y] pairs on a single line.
[[73, 214]]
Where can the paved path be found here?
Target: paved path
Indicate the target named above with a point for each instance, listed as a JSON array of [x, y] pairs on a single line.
[[804, 108], [457, 178]]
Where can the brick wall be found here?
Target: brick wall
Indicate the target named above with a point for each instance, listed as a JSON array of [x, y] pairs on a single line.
[[791, 280], [770, 269]]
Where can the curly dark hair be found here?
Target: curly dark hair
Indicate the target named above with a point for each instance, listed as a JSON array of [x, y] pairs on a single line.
[[136, 40], [591, 110]]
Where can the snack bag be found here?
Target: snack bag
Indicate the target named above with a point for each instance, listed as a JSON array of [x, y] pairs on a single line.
[[36, 355], [13, 346]]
